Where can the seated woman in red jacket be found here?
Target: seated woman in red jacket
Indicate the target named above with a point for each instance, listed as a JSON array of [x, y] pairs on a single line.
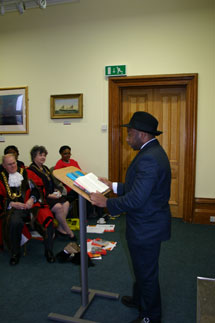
[[66, 161], [50, 194]]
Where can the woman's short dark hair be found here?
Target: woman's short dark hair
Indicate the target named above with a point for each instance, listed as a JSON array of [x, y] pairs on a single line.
[[62, 148], [38, 149], [12, 147]]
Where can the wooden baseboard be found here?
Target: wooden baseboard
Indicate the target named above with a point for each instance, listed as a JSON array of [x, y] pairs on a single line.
[[204, 211]]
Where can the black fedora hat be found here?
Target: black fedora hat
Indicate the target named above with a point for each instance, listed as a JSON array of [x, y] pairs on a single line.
[[143, 121]]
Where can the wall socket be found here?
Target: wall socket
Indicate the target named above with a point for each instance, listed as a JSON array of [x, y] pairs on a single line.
[[212, 218]]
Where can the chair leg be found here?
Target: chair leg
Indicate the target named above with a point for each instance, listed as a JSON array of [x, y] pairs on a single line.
[[75, 209], [25, 249]]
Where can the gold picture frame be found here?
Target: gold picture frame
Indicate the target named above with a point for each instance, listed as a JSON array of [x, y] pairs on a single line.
[[14, 110], [66, 106]]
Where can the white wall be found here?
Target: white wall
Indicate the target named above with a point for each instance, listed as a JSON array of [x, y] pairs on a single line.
[[64, 49]]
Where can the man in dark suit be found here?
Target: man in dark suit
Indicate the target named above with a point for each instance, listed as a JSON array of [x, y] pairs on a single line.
[[144, 197]]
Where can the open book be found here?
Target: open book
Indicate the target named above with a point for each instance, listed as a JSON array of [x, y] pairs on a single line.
[[89, 182]]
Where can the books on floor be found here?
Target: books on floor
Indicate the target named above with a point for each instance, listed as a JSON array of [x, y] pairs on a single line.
[[96, 248], [100, 228]]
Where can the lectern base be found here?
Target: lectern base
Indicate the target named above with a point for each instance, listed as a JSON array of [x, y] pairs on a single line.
[[77, 318]]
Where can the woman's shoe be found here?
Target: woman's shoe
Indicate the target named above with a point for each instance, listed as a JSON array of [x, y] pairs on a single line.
[[49, 256], [14, 260], [63, 235], [60, 234], [73, 238]]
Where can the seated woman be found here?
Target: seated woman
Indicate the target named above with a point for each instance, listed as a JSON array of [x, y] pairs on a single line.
[[66, 161], [13, 150], [42, 177]]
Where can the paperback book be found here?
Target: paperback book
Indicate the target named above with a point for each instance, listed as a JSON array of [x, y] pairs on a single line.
[[98, 247], [89, 182]]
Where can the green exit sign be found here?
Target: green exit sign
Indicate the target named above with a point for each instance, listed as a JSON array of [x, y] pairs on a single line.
[[115, 70]]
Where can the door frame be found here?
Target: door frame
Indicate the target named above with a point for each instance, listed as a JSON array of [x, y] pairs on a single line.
[[190, 83]]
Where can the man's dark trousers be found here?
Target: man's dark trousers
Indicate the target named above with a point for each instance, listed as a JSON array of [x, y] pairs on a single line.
[[17, 221], [146, 293]]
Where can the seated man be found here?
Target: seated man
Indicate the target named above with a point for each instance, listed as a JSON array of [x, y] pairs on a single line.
[[17, 197], [13, 150]]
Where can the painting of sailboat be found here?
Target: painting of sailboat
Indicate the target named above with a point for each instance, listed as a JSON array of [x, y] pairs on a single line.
[[67, 106]]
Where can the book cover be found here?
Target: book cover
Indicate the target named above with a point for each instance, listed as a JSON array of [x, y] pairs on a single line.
[[100, 242], [75, 175]]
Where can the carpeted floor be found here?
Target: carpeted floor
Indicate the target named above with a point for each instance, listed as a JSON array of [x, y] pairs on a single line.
[[35, 288]]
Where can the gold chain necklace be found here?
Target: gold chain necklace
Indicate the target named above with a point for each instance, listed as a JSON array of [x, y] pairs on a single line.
[[12, 195], [44, 171]]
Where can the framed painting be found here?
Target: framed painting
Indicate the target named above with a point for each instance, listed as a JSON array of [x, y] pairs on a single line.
[[66, 106], [14, 110]]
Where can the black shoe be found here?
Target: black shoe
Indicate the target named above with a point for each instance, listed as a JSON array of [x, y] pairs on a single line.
[[49, 256], [129, 302], [73, 238], [66, 236], [14, 260], [141, 319], [60, 234]]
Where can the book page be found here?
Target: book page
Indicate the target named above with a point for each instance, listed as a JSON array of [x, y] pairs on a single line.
[[101, 187], [91, 183], [87, 184]]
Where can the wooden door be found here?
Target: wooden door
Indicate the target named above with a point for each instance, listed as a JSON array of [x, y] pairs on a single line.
[[173, 100], [168, 106]]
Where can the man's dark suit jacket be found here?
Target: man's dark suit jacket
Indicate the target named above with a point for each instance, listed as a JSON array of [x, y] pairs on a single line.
[[145, 195]]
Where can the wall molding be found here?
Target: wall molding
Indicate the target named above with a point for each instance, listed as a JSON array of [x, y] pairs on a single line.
[[204, 209]]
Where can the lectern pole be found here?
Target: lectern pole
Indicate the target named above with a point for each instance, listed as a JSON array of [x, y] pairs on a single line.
[[87, 295], [84, 257]]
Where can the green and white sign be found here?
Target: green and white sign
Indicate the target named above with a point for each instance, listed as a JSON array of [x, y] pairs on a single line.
[[115, 70]]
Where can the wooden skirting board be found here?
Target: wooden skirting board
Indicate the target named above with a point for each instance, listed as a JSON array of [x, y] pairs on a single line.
[[204, 211]]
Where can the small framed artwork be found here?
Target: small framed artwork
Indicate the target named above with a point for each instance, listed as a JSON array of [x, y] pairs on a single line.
[[66, 106], [14, 110]]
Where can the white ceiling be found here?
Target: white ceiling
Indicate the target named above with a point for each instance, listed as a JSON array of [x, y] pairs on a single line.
[[22, 6]]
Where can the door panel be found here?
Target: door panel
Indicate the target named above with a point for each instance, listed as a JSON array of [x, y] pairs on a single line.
[[168, 106], [187, 81]]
